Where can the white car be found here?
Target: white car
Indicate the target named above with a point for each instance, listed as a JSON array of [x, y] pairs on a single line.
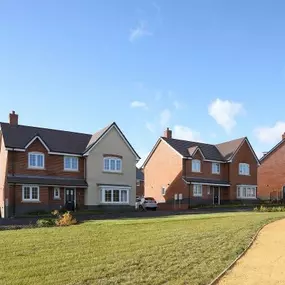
[[146, 203]]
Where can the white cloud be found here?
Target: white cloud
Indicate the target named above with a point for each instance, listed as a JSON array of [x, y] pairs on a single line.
[[165, 116], [272, 134], [225, 113], [139, 32], [150, 127], [138, 104], [185, 133]]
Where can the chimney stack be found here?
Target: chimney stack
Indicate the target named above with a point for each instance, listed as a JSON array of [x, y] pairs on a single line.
[[168, 133], [13, 118], [283, 136]]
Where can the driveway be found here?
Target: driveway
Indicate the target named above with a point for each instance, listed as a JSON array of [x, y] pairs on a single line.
[[264, 262]]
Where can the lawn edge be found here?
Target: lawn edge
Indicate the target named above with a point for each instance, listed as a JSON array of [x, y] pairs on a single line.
[[225, 271]]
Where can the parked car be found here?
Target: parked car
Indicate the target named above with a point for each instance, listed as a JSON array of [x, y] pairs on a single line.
[[146, 203]]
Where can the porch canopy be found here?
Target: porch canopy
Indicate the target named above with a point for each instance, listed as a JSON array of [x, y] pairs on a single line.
[[206, 181], [47, 181]]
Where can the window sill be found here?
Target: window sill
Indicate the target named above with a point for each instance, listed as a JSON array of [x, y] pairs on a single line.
[[57, 199], [247, 198], [70, 170], [114, 203], [196, 171], [198, 196], [244, 174], [31, 201], [37, 168], [216, 173], [113, 172]]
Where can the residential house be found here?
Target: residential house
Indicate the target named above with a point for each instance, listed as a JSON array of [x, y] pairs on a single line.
[[45, 169], [140, 182], [180, 174], [271, 173]]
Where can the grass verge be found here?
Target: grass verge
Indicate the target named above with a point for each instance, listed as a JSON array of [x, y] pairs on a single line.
[[190, 249]]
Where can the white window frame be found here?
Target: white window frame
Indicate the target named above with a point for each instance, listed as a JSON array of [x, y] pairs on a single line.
[[243, 191], [110, 159], [138, 182], [70, 168], [163, 190], [216, 168], [112, 188], [197, 190], [36, 154], [55, 189], [30, 191], [244, 169], [195, 163]]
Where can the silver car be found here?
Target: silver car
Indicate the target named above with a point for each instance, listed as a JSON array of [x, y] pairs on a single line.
[[146, 203]]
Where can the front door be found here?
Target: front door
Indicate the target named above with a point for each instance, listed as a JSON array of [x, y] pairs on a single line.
[[216, 195], [70, 199]]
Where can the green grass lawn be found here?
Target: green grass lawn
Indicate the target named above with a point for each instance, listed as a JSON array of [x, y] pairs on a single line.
[[175, 250]]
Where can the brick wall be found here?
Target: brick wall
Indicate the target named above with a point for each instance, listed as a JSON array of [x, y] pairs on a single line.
[[140, 188], [206, 169], [164, 169], [244, 155], [271, 175], [53, 163]]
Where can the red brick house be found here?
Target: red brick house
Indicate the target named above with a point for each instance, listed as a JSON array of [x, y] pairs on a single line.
[[182, 174], [140, 182], [271, 173], [45, 169]]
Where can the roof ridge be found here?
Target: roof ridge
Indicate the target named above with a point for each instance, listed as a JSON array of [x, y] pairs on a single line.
[[49, 129]]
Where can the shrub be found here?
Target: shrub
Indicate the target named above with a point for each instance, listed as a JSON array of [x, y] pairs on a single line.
[[269, 209], [45, 222], [66, 219]]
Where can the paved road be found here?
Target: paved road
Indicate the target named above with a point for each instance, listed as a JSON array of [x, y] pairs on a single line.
[[149, 214], [264, 262]]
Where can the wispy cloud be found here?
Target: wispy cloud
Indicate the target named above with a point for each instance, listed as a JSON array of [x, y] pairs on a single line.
[[270, 135], [139, 31], [185, 133], [150, 126], [225, 112], [139, 104], [177, 105], [165, 116]]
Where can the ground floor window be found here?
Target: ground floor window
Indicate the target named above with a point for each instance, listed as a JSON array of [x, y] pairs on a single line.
[[56, 193], [246, 192], [114, 195], [197, 190], [30, 193]]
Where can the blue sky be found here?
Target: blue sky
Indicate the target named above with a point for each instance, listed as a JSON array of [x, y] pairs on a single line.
[[210, 70]]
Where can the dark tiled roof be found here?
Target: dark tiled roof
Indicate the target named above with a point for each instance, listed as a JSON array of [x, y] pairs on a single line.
[[227, 149], [56, 140], [47, 180], [140, 174], [205, 180], [208, 150], [219, 152]]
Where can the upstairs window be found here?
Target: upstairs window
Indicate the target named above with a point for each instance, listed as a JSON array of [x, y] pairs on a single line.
[[36, 160], [196, 165], [244, 169], [71, 163], [163, 190], [112, 164], [216, 168]]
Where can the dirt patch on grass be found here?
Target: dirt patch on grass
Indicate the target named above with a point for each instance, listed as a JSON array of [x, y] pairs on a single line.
[[264, 262]]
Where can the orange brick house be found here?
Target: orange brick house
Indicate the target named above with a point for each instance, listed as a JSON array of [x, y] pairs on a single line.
[[180, 174], [271, 173], [45, 169]]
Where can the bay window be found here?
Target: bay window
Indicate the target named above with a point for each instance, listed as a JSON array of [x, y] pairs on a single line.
[[114, 195]]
